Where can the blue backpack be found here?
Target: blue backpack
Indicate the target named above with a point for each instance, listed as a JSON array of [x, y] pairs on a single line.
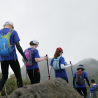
[[56, 63], [5, 47]]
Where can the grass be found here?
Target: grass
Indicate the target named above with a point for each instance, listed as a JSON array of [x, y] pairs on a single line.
[[11, 84]]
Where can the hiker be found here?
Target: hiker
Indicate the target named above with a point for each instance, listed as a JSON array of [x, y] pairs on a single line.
[[93, 89], [33, 57], [78, 79], [8, 40], [58, 63]]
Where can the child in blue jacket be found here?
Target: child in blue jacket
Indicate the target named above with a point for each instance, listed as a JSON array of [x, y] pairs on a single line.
[[92, 89]]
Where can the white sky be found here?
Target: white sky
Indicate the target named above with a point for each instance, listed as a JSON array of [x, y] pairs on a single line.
[[70, 24]]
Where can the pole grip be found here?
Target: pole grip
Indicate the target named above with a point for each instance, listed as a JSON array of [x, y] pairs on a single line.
[[47, 59], [70, 62]]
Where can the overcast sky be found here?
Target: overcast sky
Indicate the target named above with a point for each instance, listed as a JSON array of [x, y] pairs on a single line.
[[70, 24]]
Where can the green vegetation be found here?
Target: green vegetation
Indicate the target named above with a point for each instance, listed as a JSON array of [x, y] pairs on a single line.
[[11, 84], [91, 67]]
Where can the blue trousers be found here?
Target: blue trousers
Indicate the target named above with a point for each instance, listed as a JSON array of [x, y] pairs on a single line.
[[65, 78]]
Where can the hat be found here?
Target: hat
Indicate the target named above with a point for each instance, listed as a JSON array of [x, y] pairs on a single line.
[[8, 23], [80, 67], [35, 42], [60, 49]]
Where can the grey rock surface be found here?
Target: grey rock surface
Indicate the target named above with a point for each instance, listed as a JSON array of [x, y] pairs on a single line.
[[54, 88]]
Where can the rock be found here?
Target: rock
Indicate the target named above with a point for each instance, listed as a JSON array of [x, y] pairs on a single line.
[[54, 88]]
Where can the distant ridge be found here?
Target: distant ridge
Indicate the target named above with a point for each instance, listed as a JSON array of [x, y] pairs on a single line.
[[90, 64]]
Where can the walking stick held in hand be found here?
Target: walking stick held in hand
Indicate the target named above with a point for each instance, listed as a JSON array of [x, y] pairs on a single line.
[[71, 69], [5, 91], [48, 68]]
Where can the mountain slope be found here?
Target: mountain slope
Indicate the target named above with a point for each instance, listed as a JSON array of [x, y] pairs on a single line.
[[90, 64]]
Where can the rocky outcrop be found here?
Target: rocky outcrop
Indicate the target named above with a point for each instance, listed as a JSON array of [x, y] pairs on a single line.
[[54, 88]]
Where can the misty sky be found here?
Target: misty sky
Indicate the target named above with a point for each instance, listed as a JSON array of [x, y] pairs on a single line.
[[70, 24]]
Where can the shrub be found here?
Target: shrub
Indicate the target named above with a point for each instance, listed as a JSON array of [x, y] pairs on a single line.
[[11, 84]]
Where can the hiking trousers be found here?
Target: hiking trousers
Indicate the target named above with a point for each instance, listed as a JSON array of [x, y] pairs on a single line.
[[15, 66], [65, 78], [34, 75], [82, 91]]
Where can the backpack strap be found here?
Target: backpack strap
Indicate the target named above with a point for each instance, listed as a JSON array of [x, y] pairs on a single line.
[[9, 34], [33, 61], [11, 30], [95, 87], [31, 53], [26, 50], [58, 57], [59, 60], [0, 37]]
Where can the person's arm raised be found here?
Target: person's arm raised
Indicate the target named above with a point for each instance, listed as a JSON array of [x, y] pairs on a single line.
[[41, 59], [63, 66]]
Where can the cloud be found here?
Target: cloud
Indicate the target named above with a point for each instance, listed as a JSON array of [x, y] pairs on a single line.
[[70, 24]]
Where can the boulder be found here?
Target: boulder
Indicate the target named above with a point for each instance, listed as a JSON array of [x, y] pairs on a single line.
[[54, 88]]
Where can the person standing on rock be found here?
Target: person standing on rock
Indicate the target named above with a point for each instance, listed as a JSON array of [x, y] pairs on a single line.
[[79, 78], [58, 63], [33, 57], [8, 40]]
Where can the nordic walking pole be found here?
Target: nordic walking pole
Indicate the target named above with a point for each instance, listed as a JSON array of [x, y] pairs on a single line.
[[72, 73], [26, 76], [88, 94], [26, 72], [5, 91], [71, 69], [48, 68]]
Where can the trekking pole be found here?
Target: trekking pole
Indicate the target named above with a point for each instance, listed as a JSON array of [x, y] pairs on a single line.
[[26, 69], [88, 96], [48, 68], [26, 73], [5, 91], [71, 69], [26, 76]]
